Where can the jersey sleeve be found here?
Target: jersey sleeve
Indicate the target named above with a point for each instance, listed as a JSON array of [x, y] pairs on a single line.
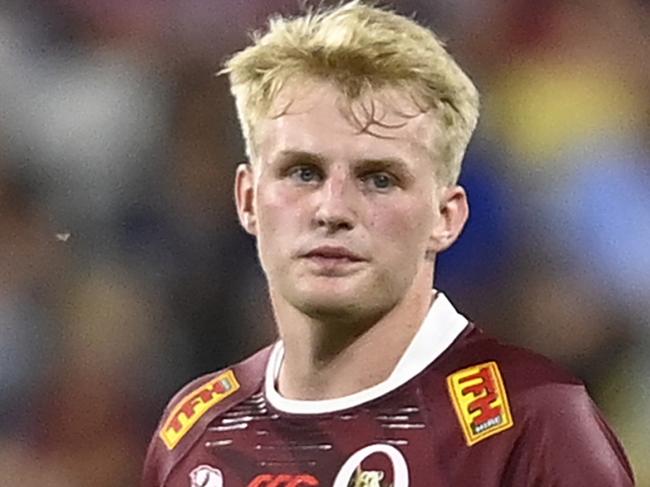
[[187, 416], [565, 442], [192, 409], [159, 459]]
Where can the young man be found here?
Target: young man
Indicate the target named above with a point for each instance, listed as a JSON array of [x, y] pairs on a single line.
[[356, 121]]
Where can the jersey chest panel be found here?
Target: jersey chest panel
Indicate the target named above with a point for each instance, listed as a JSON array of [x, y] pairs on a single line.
[[391, 442]]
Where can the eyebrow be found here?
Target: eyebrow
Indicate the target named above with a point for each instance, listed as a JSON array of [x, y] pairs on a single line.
[[391, 163], [290, 155]]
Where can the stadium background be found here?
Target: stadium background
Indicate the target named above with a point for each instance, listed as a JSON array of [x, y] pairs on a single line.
[[123, 272]]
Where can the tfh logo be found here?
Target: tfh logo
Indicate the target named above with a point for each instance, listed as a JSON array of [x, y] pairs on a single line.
[[194, 405], [480, 400], [482, 387]]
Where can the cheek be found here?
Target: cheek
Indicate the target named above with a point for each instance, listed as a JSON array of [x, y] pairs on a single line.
[[277, 212], [404, 226]]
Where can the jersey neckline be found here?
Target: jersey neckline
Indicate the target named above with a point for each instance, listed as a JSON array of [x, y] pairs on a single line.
[[440, 328]]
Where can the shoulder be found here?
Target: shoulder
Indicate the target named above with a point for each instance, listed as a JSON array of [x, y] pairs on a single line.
[[521, 370], [194, 406], [556, 427], [209, 392], [214, 392], [489, 383], [529, 383]]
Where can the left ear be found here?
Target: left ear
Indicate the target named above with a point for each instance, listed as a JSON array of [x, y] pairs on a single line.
[[453, 211], [245, 198]]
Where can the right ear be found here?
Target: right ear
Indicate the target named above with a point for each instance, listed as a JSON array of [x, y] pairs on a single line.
[[245, 197]]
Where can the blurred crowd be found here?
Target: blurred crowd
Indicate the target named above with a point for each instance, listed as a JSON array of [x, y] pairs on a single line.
[[123, 272]]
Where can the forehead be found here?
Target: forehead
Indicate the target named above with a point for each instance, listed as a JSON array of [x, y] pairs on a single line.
[[315, 116]]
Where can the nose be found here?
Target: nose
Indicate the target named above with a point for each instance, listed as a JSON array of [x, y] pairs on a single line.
[[335, 204]]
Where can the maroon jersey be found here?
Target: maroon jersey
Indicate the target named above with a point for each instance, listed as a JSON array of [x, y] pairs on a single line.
[[460, 409]]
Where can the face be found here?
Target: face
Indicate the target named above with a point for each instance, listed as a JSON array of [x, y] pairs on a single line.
[[344, 218]]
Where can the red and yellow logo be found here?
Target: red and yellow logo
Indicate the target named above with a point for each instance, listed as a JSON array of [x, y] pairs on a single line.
[[480, 401], [284, 480], [194, 405]]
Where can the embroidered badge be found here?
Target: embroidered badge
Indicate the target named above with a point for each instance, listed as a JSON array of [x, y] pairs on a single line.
[[206, 476], [480, 401], [194, 405]]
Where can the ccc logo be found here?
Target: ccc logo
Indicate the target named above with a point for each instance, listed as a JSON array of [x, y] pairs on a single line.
[[284, 480]]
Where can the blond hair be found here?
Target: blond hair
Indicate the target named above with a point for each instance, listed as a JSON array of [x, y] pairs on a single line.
[[360, 48]]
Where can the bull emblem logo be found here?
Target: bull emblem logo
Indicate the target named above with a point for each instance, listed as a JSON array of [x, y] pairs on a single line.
[[206, 476], [351, 474], [367, 479]]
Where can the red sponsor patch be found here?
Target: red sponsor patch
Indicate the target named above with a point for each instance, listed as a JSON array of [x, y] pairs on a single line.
[[284, 480], [194, 405], [480, 401]]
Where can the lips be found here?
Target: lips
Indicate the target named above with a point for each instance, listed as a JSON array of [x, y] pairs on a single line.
[[334, 253]]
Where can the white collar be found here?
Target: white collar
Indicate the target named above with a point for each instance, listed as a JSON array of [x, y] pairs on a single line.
[[440, 328]]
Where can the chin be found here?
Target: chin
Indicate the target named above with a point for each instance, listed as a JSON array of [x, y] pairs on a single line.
[[328, 310], [344, 304], [328, 299]]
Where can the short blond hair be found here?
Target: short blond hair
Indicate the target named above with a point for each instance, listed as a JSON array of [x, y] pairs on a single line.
[[360, 48]]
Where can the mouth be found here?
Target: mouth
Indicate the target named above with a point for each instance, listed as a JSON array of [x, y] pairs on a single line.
[[332, 253], [332, 261]]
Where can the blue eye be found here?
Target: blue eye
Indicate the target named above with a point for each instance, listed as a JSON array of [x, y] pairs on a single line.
[[382, 181], [304, 174], [379, 180]]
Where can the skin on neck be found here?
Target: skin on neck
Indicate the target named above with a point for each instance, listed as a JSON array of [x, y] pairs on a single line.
[[326, 359]]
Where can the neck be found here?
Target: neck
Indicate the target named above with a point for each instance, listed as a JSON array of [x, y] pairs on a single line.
[[329, 359]]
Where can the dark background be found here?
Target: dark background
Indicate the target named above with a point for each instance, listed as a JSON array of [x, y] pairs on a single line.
[[123, 272]]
